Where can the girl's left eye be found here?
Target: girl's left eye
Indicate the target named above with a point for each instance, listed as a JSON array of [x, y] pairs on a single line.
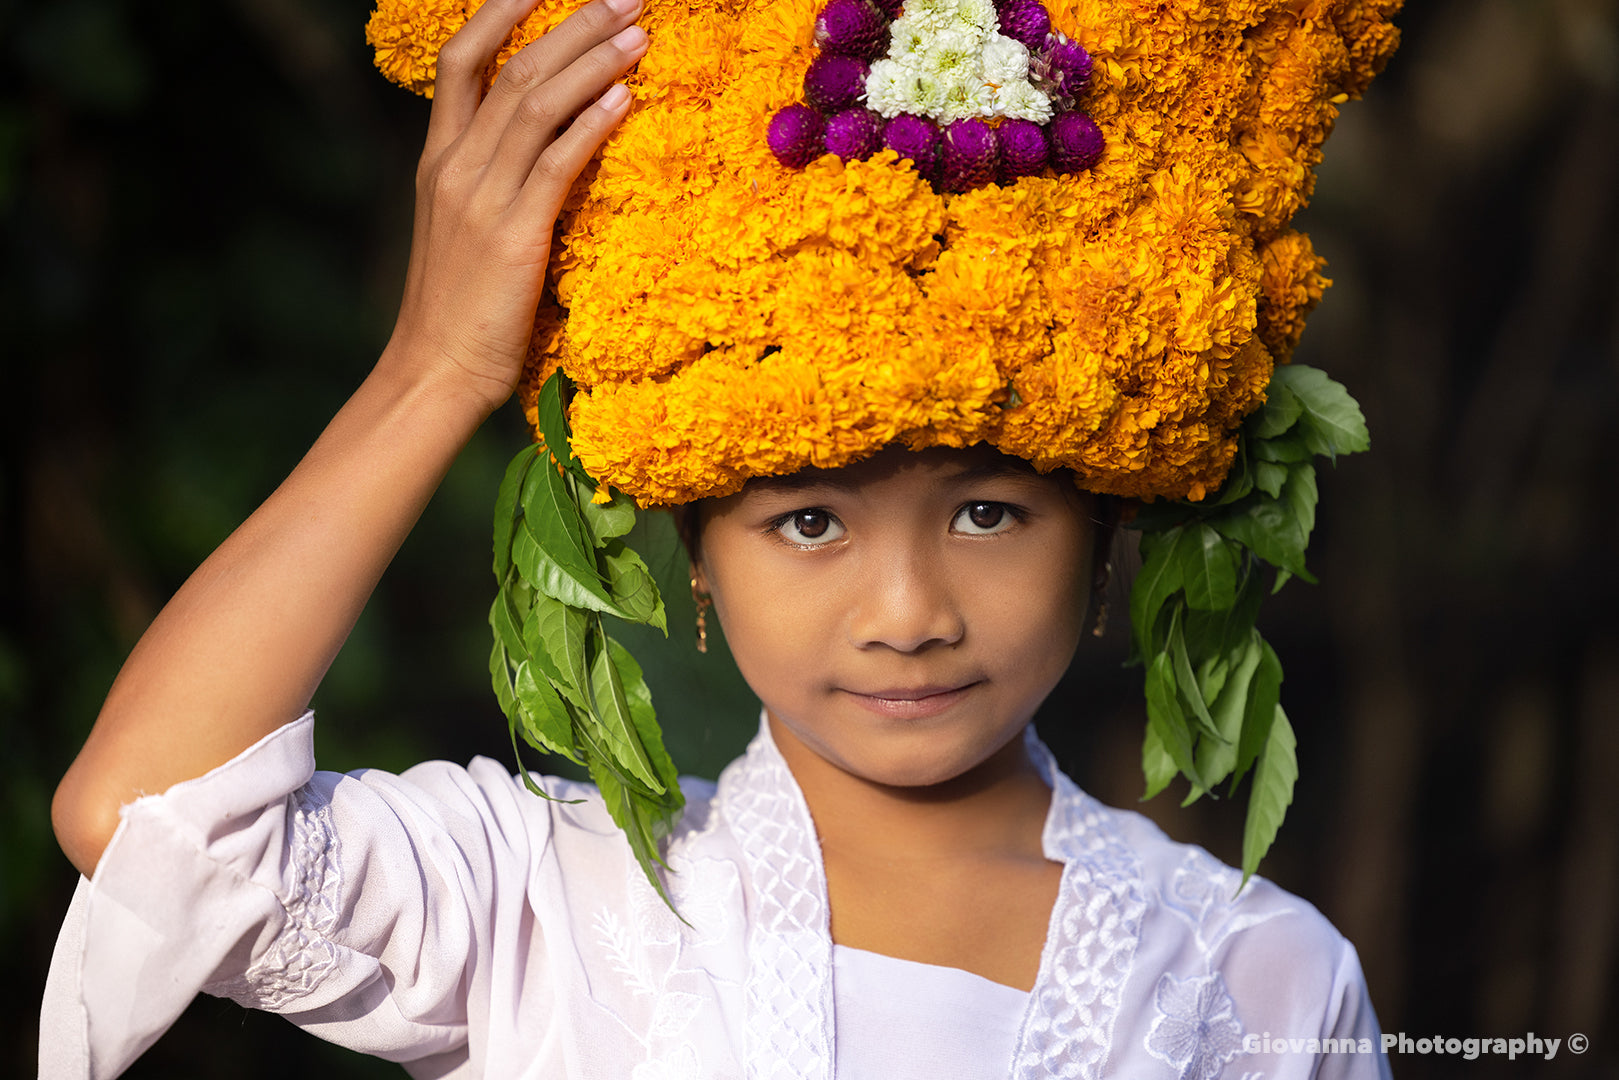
[[808, 528], [983, 519]]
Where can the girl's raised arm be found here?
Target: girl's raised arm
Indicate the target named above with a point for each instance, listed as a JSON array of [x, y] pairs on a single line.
[[240, 648]]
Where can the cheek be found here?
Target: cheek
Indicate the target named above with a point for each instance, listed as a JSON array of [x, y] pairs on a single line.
[[770, 633], [1041, 615]]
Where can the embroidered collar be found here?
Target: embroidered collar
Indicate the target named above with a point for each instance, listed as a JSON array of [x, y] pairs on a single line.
[[1090, 942]]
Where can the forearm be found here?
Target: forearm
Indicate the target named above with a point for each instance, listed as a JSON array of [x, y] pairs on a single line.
[[241, 647], [239, 650]]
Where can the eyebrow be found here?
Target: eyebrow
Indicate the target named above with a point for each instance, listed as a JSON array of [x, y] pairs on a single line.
[[813, 477]]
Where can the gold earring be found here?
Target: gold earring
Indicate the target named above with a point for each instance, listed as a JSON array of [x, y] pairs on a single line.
[[1100, 586], [702, 600]]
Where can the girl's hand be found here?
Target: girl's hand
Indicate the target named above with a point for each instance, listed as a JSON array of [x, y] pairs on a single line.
[[492, 179]]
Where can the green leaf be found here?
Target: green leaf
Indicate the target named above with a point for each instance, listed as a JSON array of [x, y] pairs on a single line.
[[1264, 694], [506, 514], [1287, 449], [572, 584], [547, 722], [1280, 410], [1208, 569], [1269, 529], [1165, 717], [1229, 707], [552, 421], [607, 520], [1212, 674], [554, 640], [1224, 632], [612, 712], [639, 695], [1238, 482], [500, 677], [640, 818], [1156, 764], [631, 585], [1158, 579], [1332, 422], [506, 622], [1301, 496], [1269, 477], [1274, 776], [1186, 682], [522, 770], [552, 516]]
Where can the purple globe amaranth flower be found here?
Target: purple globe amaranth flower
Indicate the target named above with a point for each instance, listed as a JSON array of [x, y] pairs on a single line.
[[797, 136], [890, 8], [1022, 145], [854, 134], [970, 158], [1076, 142], [1025, 21], [835, 82], [916, 138], [1062, 70], [853, 28]]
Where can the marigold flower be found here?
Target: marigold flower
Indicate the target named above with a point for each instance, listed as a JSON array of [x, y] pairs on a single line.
[[725, 316]]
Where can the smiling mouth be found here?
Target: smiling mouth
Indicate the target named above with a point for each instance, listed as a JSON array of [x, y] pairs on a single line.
[[913, 703]]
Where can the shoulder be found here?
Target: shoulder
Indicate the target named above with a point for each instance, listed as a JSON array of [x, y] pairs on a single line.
[[1197, 910], [1205, 964], [485, 795]]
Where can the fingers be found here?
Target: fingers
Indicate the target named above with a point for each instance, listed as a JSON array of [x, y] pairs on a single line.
[[543, 113], [458, 86], [554, 172], [481, 126]]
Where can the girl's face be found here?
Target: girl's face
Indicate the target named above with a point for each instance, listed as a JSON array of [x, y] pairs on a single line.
[[902, 617]]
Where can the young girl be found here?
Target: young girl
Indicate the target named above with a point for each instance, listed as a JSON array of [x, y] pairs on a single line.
[[894, 880]]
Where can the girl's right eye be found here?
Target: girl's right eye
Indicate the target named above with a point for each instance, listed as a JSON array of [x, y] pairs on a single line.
[[809, 528]]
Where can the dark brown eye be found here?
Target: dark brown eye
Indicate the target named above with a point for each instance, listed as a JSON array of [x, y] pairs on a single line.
[[982, 518], [810, 528], [811, 524]]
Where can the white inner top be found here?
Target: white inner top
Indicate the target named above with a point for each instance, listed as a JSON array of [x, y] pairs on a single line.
[[898, 1018]]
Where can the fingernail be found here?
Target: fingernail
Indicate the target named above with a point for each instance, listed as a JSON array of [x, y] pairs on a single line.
[[622, 7], [615, 97], [630, 38]]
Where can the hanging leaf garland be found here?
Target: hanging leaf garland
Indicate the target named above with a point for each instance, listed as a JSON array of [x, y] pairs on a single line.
[[1213, 684], [565, 685]]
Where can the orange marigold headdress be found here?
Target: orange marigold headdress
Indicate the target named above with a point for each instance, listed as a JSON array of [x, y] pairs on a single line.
[[723, 315]]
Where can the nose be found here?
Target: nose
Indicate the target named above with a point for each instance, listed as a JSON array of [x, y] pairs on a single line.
[[905, 600]]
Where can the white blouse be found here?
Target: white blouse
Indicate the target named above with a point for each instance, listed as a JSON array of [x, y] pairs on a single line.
[[897, 1018], [447, 919]]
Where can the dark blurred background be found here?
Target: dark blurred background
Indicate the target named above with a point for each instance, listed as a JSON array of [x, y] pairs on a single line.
[[205, 210]]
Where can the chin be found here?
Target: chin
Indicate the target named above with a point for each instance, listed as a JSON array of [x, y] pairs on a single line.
[[939, 761]]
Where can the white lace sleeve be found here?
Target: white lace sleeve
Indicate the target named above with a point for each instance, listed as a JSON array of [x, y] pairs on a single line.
[[357, 904]]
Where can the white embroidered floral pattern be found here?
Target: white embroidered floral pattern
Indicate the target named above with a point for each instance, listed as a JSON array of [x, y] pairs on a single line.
[[1094, 932], [1195, 1031], [303, 953]]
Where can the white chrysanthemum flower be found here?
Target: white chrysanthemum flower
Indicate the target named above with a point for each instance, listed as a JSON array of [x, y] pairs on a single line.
[[1005, 61], [1020, 101], [907, 37], [928, 96], [888, 88], [954, 54], [947, 60], [966, 99], [978, 14]]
